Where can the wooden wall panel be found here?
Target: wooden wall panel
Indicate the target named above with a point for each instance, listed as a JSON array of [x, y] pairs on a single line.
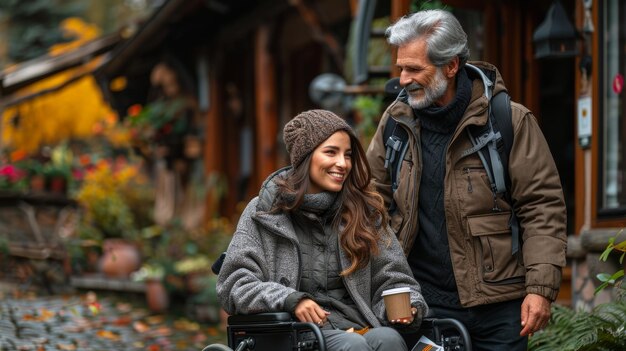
[[266, 111]]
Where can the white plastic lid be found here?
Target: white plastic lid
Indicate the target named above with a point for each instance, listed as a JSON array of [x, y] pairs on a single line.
[[396, 291]]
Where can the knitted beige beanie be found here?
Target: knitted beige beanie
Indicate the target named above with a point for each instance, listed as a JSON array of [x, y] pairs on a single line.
[[309, 129]]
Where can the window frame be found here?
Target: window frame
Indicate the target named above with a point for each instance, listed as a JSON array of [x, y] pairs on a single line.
[[605, 213]]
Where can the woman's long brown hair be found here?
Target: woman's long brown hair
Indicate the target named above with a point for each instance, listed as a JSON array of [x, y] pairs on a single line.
[[362, 213]]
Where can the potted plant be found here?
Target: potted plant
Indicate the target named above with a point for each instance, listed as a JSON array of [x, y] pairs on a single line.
[[104, 197], [12, 178], [152, 275], [56, 178], [195, 270], [36, 177]]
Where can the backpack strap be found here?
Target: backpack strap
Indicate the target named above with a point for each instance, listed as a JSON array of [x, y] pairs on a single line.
[[502, 120], [396, 141]]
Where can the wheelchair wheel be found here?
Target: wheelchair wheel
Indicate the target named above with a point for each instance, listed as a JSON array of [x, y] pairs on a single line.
[[217, 347]]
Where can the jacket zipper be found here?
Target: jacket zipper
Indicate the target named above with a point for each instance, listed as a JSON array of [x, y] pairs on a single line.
[[468, 170]]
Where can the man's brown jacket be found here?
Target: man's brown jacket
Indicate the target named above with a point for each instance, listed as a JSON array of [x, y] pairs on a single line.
[[479, 237]]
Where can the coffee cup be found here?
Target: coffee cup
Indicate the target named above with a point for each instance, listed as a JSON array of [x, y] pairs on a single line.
[[397, 303]]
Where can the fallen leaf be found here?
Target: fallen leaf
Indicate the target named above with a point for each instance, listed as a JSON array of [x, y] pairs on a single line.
[[42, 316], [155, 319], [124, 307], [181, 345], [186, 325], [141, 327], [66, 347], [212, 331], [106, 334], [162, 331], [122, 321]]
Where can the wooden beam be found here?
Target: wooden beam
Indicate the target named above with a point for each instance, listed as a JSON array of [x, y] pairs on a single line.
[[266, 111], [399, 8], [213, 146]]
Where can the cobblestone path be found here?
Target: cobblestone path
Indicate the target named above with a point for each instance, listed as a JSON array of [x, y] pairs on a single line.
[[87, 322]]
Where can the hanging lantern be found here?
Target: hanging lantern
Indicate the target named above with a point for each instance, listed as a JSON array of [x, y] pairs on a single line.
[[556, 36]]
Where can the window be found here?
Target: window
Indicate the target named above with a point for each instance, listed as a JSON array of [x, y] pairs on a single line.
[[612, 136]]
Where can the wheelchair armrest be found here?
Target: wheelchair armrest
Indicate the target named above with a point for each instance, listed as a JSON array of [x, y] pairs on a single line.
[[260, 318]]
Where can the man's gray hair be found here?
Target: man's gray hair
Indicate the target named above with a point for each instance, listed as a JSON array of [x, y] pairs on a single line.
[[445, 38]]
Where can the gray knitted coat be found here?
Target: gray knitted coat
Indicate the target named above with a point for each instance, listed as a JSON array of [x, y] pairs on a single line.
[[262, 266]]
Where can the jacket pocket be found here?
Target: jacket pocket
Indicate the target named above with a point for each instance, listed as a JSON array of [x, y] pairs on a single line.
[[492, 244]]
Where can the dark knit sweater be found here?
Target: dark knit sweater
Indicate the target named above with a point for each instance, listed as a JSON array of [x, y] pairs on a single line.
[[320, 272], [430, 256]]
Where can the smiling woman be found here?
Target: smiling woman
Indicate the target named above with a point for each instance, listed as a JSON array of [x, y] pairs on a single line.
[[315, 243]]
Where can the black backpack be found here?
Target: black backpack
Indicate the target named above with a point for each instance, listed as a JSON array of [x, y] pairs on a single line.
[[492, 142]]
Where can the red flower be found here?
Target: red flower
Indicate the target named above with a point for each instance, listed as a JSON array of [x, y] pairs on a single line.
[[12, 173], [134, 110], [78, 174]]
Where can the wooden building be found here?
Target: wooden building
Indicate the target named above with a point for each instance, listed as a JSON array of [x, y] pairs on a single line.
[[250, 65]]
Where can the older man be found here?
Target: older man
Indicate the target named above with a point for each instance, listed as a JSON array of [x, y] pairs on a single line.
[[454, 227]]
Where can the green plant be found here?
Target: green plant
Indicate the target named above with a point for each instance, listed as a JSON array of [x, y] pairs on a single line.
[[600, 329], [616, 278], [159, 119], [369, 108], [149, 271], [193, 264]]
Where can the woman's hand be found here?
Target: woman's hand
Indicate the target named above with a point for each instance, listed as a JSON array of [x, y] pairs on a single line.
[[406, 320], [308, 310]]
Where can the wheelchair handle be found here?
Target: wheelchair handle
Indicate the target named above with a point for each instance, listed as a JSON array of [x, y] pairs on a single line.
[[314, 328]]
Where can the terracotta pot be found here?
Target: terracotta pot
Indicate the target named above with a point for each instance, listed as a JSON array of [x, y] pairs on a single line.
[[58, 185], [37, 183], [119, 258], [157, 298]]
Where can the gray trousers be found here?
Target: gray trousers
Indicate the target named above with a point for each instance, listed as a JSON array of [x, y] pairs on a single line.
[[376, 339]]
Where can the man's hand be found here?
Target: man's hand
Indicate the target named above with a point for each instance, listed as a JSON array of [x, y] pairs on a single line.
[[308, 310], [535, 314]]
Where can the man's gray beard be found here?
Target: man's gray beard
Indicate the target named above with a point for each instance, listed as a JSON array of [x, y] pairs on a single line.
[[432, 93]]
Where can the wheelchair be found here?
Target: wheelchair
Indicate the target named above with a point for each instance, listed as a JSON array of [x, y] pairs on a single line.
[[277, 331]]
